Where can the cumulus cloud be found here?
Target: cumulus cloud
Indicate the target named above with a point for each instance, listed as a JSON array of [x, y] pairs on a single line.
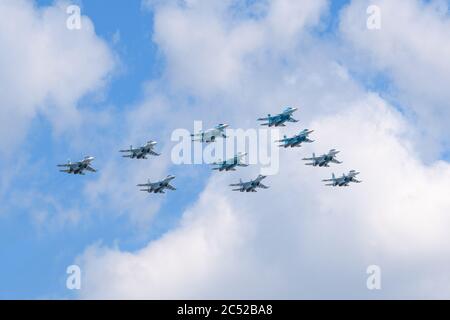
[[206, 53], [299, 239], [46, 68], [309, 241], [412, 48]]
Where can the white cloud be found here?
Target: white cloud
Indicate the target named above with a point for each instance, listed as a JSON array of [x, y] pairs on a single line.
[[207, 44], [298, 239], [412, 47], [46, 68]]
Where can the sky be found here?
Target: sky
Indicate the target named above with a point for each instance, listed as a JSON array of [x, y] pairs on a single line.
[[140, 70]]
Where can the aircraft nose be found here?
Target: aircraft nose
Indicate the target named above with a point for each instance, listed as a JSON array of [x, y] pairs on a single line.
[[225, 125]]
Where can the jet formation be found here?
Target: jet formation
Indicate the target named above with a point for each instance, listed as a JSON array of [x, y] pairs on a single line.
[[210, 136]]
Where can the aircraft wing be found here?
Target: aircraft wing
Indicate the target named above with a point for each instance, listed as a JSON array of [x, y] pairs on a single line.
[[170, 187], [263, 186], [263, 119], [63, 165], [89, 168], [131, 150], [327, 180], [335, 161], [236, 184], [153, 153], [145, 184]]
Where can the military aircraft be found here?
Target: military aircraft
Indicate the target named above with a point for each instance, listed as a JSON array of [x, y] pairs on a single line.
[[344, 180], [250, 186], [78, 167], [323, 160], [159, 186], [141, 152], [211, 135], [279, 119], [296, 140], [230, 164]]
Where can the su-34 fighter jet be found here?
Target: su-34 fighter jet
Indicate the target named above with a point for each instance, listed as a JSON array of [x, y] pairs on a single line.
[[344, 180], [159, 186], [296, 140], [250, 186], [230, 164], [141, 152], [210, 135], [323, 160], [78, 167], [279, 119]]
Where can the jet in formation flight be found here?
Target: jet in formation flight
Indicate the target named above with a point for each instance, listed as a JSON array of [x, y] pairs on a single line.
[[344, 180], [230, 164], [159, 186], [210, 135], [250, 186], [78, 167], [279, 119], [296, 140], [323, 160], [141, 152]]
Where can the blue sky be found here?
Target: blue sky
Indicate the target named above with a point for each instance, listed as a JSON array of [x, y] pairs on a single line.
[[34, 256], [34, 262]]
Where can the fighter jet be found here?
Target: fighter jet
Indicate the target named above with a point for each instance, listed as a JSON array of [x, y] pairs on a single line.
[[296, 140], [141, 152], [78, 167], [230, 164], [159, 186], [211, 135], [250, 186], [323, 160], [344, 180], [279, 119]]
